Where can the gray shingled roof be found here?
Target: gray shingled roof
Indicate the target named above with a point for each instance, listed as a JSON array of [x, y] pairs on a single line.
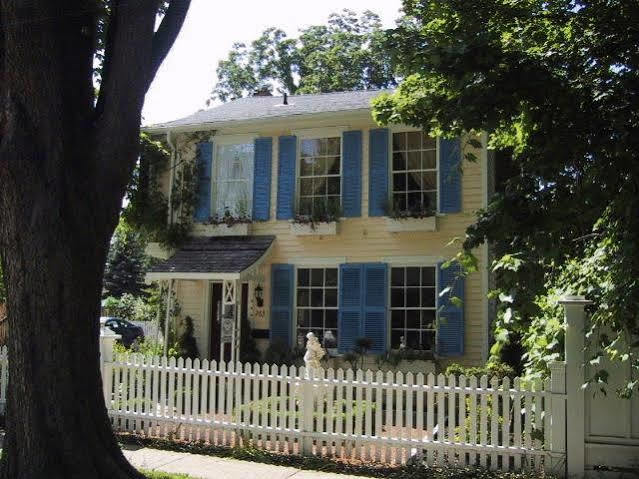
[[226, 254], [262, 107]]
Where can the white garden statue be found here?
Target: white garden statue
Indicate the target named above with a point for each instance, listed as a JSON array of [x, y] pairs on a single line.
[[314, 353]]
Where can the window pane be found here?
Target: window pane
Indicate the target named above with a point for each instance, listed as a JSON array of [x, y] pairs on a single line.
[[412, 297], [331, 277], [414, 181], [428, 276], [397, 297], [396, 334], [414, 140], [306, 186], [331, 318], [399, 182], [330, 297], [428, 340], [412, 319], [333, 146], [429, 159], [428, 297], [412, 276], [399, 141], [302, 277], [399, 201], [306, 206], [397, 318], [412, 340], [332, 165], [317, 298], [309, 148], [429, 180], [430, 200], [319, 168], [429, 141], [333, 186], [414, 160], [428, 319], [317, 277], [399, 161], [303, 318], [397, 277], [414, 201], [317, 319], [319, 186], [306, 166], [303, 297]]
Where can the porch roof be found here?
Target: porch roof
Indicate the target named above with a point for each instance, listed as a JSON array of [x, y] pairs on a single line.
[[225, 257]]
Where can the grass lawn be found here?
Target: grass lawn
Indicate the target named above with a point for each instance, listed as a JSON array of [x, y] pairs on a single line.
[[164, 475]]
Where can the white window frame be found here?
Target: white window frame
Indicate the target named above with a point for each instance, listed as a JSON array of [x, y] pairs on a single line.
[[229, 140], [310, 266], [407, 262], [318, 134], [408, 129]]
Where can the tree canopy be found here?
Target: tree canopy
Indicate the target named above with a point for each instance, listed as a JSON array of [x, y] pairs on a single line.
[[556, 86], [346, 53], [125, 266]]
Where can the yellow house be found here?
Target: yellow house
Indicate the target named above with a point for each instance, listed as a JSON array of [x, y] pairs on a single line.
[[312, 218]]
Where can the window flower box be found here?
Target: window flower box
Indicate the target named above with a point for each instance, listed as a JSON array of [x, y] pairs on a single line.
[[222, 229], [398, 225], [314, 229]]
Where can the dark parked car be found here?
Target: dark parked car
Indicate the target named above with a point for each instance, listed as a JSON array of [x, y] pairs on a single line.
[[129, 331]]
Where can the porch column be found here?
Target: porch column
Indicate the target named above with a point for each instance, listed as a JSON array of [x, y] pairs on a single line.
[[169, 300]]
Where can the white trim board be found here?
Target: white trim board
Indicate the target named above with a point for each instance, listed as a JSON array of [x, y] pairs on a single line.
[[413, 260], [325, 262]]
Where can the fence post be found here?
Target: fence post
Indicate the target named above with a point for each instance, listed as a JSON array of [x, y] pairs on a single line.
[[107, 341], [307, 409], [558, 418], [574, 317]]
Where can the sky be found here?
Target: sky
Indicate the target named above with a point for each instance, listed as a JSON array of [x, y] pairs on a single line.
[[187, 76]]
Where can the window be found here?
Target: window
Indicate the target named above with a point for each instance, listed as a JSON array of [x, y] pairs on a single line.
[[414, 174], [317, 305], [413, 307], [233, 180], [320, 177]]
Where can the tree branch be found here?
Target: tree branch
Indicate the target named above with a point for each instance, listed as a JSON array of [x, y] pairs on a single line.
[[167, 33]]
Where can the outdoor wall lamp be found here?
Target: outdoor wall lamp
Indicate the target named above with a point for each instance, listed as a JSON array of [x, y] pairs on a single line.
[[259, 299]]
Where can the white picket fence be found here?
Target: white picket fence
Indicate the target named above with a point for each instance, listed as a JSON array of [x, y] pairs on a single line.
[[389, 418]]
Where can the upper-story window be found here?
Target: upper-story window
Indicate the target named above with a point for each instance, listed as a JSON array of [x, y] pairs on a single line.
[[414, 172], [320, 176], [233, 180]]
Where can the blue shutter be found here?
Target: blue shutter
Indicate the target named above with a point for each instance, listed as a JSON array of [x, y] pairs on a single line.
[[374, 307], [350, 306], [282, 289], [205, 167], [450, 186], [262, 179], [352, 174], [378, 172], [286, 177], [450, 325]]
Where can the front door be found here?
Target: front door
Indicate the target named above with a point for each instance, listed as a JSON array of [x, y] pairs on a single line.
[[216, 319]]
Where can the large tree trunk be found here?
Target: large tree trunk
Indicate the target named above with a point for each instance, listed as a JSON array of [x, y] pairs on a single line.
[[64, 165]]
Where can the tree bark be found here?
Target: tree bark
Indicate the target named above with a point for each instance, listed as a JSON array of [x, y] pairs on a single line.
[[64, 166]]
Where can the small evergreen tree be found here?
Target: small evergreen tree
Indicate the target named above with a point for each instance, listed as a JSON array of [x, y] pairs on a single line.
[[126, 264]]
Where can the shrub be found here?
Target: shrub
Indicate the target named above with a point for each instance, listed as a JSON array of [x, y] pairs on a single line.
[[491, 369]]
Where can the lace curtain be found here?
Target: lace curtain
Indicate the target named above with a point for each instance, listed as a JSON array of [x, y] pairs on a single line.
[[233, 180]]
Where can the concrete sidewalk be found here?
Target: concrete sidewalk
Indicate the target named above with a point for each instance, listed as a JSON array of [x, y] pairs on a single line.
[[210, 467]]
